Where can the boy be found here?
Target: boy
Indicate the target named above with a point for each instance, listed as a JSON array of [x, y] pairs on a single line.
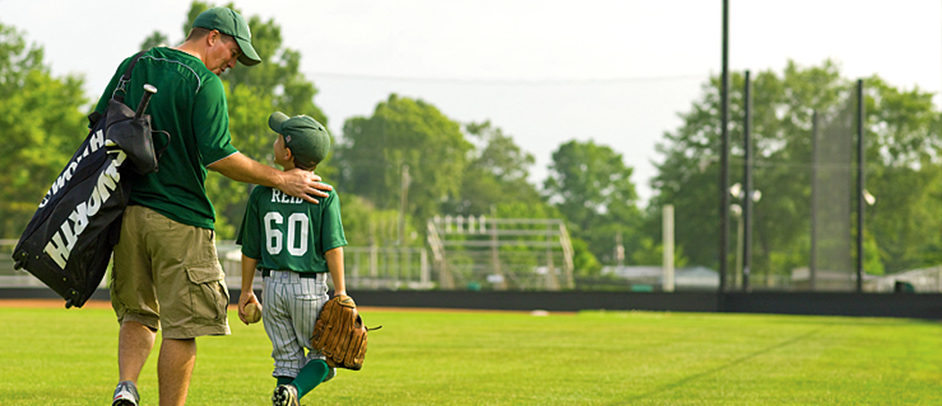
[[295, 243]]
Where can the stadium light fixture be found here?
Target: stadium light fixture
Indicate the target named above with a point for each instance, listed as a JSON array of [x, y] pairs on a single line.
[[736, 190], [869, 198]]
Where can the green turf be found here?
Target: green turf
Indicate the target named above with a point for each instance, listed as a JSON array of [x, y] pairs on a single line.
[[68, 357]]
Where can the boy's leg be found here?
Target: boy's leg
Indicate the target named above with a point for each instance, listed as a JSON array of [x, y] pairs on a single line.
[[311, 298], [310, 376], [287, 353], [276, 316], [284, 380]]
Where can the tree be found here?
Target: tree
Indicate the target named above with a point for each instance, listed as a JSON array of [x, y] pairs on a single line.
[[904, 169], [41, 124], [154, 40], [901, 153], [401, 132], [591, 186], [364, 224], [688, 176], [496, 174]]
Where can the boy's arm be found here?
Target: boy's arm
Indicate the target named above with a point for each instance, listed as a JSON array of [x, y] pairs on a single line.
[[334, 259], [248, 278]]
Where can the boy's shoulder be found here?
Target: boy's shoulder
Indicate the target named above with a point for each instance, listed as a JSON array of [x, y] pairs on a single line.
[[268, 192], [259, 190]]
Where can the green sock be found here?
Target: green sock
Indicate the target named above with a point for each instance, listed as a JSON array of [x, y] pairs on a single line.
[[310, 376], [284, 380]]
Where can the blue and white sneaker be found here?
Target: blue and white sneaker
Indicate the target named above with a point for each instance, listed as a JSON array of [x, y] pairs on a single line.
[[126, 394]]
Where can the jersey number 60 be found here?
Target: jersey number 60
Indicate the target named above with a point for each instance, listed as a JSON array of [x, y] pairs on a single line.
[[297, 227]]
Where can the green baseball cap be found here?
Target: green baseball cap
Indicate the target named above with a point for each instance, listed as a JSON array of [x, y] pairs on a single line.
[[308, 140], [230, 23]]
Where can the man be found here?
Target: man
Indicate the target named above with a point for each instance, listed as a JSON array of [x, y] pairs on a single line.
[[166, 273]]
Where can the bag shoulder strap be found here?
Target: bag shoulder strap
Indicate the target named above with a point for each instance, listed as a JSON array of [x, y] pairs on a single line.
[[126, 77]]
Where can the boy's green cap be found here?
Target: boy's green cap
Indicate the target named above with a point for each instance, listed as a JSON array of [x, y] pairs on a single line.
[[230, 23], [308, 140]]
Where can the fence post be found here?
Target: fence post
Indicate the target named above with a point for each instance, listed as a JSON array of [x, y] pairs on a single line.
[[425, 278], [374, 265]]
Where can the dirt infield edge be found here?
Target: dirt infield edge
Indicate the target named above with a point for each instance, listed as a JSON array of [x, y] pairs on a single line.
[[103, 304]]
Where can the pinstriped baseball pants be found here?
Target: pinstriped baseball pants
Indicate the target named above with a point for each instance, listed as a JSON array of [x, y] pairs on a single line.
[[289, 310]]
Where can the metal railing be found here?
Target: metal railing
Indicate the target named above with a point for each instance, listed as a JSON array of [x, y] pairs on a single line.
[[475, 267], [365, 267], [475, 252]]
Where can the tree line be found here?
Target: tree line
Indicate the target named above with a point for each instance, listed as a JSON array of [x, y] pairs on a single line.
[[409, 160]]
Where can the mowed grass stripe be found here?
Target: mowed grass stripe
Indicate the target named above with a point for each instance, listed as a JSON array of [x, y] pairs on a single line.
[[68, 357]]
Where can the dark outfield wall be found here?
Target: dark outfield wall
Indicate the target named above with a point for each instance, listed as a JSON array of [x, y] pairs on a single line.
[[922, 306]]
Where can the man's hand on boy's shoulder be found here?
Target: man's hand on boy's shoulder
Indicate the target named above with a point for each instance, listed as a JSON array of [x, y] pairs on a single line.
[[304, 184]]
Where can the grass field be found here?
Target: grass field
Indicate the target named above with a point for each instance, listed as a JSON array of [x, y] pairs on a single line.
[[68, 357]]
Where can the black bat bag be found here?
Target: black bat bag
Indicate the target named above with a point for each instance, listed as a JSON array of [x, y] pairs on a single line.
[[68, 242]]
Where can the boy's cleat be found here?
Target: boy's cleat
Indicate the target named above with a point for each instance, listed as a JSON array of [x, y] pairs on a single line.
[[125, 394], [331, 373], [285, 395]]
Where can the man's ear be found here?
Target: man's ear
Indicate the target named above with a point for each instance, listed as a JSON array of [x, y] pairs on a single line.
[[213, 37]]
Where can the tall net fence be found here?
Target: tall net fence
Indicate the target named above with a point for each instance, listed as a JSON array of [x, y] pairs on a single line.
[[831, 267], [815, 178]]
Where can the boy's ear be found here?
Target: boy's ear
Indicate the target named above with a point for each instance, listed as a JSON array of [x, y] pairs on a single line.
[[288, 155]]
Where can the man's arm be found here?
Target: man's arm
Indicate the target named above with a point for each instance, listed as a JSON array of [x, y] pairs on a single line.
[[296, 182], [334, 259]]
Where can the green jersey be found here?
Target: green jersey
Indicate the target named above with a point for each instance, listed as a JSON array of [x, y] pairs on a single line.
[[190, 104], [289, 234]]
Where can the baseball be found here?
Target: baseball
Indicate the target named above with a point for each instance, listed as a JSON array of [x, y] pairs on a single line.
[[252, 313]]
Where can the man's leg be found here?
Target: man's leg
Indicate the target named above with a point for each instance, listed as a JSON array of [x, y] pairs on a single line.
[[133, 299], [190, 287], [174, 368], [135, 341]]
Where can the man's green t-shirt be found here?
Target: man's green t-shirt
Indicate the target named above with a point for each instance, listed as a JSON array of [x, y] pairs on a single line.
[[190, 104], [289, 234]]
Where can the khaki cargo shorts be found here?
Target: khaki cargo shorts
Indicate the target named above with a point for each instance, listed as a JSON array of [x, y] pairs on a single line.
[[167, 276]]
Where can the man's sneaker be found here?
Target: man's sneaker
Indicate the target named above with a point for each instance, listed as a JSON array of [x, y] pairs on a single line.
[[285, 395], [125, 394], [331, 373]]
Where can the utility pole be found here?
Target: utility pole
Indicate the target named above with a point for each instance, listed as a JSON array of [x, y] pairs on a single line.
[[813, 263], [861, 182]]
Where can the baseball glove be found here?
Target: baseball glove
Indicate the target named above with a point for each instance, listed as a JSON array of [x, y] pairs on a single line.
[[340, 335]]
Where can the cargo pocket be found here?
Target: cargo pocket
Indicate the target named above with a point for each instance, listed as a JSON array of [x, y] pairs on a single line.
[[209, 296]]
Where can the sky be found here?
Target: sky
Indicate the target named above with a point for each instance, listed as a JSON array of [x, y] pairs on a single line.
[[544, 71]]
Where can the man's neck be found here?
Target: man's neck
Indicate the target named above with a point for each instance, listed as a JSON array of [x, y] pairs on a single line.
[[191, 49]]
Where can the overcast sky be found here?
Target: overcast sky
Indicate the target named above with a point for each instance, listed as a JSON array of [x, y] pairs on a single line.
[[545, 71]]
